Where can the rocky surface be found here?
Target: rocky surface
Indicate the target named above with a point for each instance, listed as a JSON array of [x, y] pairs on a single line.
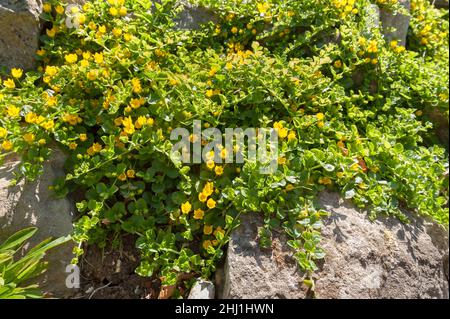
[[33, 204], [395, 26], [192, 16], [19, 32], [380, 259]]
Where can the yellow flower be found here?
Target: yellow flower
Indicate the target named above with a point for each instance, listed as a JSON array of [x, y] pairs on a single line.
[[208, 189], [186, 207], [87, 55], [81, 18], [373, 47], [128, 125], [320, 116], [320, 124], [92, 26], [277, 125], [92, 74], [71, 58], [51, 70], [218, 170], [211, 203], [127, 37], [223, 153], [51, 101], [210, 164], [51, 32], [393, 44], [202, 197], [140, 122], [41, 52], [263, 7], [207, 229], [83, 137], [113, 11], [289, 187], [136, 103], [198, 214], [130, 173], [234, 30], [136, 83], [96, 147], [7, 145], [282, 132], [374, 61], [102, 29], [282, 160], [48, 125], [29, 138], [16, 73], [400, 49], [123, 11], [59, 9], [98, 58], [209, 93], [291, 136], [122, 177], [9, 84], [3, 132], [13, 111], [206, 244], [325, 180], [73, 145], [47, 7], [42, 141], [117, 32]]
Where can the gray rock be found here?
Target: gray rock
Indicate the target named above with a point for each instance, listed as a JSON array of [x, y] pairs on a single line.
[[202, 289], [192, 16], [19, 32], [395, 26], [373, 18], [380, 259], [252, 272], [440, 3], [33, 204]]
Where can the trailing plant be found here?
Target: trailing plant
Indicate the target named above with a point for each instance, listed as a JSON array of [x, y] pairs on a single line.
[[349, 110]]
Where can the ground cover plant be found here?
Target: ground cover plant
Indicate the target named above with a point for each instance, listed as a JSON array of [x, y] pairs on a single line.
[[351, 111]]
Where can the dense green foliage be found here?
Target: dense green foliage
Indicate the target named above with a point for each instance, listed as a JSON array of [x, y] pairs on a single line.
[[350, 111]]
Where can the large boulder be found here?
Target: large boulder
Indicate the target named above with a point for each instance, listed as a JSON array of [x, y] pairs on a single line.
[[395, 26], [364, 259], [33, 204], [19, 32]]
